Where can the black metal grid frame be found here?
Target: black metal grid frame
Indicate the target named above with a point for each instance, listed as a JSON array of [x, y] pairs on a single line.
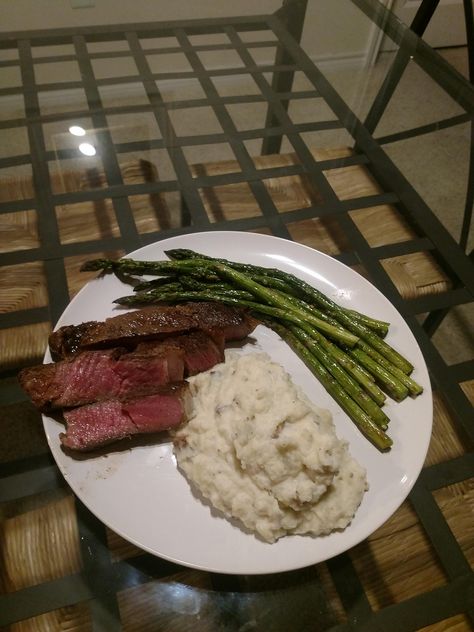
[[101, 579]]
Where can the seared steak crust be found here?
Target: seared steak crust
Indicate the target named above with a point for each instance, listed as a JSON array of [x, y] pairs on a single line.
[[66, 341], [152, 323]]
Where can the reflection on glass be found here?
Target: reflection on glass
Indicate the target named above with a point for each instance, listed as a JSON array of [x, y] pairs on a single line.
[[77, 130], [87, 149]]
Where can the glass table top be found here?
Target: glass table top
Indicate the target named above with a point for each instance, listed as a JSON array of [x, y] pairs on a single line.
[[333, 125]]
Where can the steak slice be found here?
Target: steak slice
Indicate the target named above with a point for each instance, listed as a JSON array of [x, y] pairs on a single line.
[[92, 376], [97, 375], [151, 323], [201, 352], [96, 425]]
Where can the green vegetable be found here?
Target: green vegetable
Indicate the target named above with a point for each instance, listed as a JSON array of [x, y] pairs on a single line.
[[362, 420], [286, 282], [344, 379], [387, 381]]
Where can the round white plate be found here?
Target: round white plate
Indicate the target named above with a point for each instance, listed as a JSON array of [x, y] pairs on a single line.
[[139, 493]]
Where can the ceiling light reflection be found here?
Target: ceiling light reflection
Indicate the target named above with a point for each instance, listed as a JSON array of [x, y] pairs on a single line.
[[76, 130], [87, 149], [302, 268]]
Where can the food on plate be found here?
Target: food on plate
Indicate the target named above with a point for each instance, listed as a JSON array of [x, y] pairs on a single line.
[[96, 425], [259, 451], [343, 348], [112, 392], [91, 376], [151, 323], [96, 375]]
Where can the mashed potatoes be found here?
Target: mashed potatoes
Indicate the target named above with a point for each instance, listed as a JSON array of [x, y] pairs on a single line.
[[260, 452]]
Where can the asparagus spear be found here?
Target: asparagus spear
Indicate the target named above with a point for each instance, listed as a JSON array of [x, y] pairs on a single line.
[[378, 326], [389, 382], [392, 383], [365, 424], [392, 378], [132, 266], [363, 377], [278, 300], [385, 355], [189, 282], [413, 387], [288, 279], [344, 379], [344, 318], [168, 284], [360, 374]]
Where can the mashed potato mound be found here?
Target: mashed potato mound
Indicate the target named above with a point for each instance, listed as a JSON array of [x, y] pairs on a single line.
[[262, 453]]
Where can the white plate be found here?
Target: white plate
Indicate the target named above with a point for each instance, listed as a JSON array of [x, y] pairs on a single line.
[[140, 494]]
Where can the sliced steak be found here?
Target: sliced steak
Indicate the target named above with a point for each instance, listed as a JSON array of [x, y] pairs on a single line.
[[95, 425], [201, 352], [151, 323], [92, 376], [97, 375]]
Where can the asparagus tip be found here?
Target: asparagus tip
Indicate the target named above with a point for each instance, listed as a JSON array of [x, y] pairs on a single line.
[[97, 264]]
